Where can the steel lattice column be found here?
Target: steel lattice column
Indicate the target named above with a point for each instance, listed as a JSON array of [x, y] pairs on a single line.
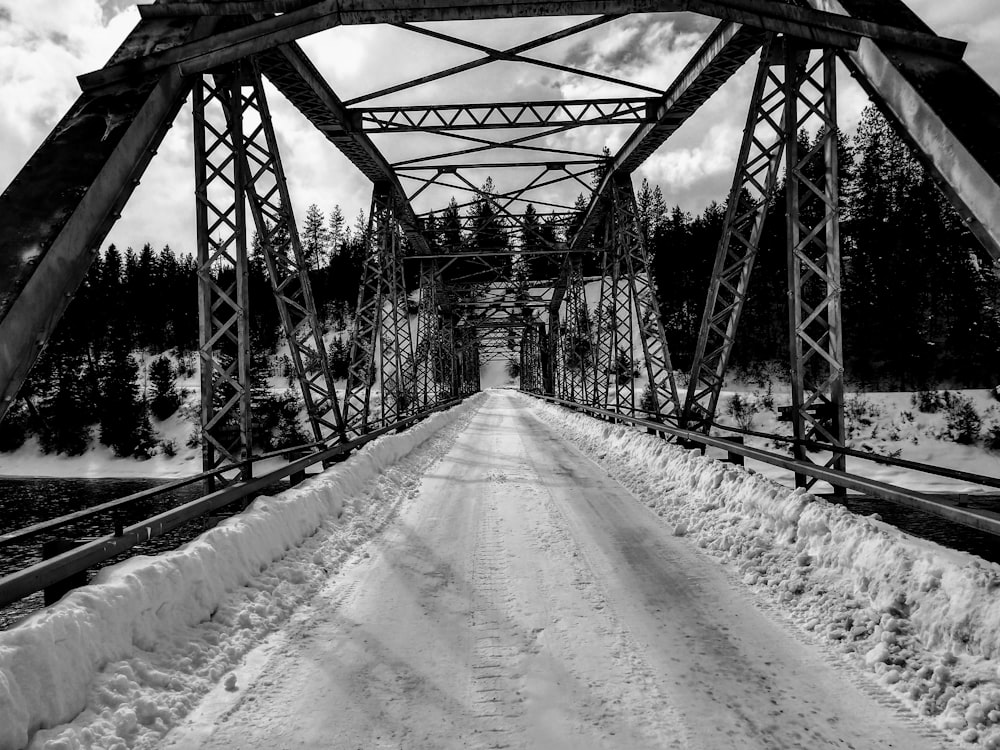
[[531, 361], [429, 336], [399, 380], [288, 268], [577, 342], [614, 325], [223, 314], [661, 400], [380, 325], [466, 360], [752, 193], [814, 254], [444, 363]]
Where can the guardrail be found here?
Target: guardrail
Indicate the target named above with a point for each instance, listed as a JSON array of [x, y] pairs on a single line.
[[48, 572], [836, 478]]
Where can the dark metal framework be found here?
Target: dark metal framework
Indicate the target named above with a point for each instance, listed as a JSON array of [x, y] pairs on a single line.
[[237, 166], [224, 314], [487, 299]]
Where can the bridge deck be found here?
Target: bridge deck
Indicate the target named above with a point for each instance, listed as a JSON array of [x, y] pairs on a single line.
[[523, 598]]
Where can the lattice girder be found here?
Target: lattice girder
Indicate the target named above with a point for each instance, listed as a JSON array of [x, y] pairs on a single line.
[[223, 276], [750, 198], [287, 267], [813, 247], [576, 342], [660, 400], [381, 327]]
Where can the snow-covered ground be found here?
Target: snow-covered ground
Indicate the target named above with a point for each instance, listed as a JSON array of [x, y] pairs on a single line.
[[888, 424], [544, 580], [126, 657]]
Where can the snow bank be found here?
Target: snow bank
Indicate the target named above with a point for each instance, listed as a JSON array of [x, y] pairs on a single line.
[[154, 624], [924, 619]]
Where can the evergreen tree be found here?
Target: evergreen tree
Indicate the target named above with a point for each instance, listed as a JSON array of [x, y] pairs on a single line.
[[122, 408], [644, 208], [315, 238], [166, 399], [339, 358], [64, 406]]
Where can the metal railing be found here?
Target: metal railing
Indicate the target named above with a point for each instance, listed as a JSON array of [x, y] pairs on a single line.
[[846, 480], [46, 573]]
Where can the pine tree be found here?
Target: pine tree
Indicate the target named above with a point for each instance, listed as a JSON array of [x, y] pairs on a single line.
[[644, 208], [336, 233], [165, 399], [315, 238]]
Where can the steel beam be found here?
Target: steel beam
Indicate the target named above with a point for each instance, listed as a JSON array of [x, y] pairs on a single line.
[[381, 331], [61, 205], [750, 198], [297, 79], [803, 22], [724, 52], [287, 267], [446, 117], [813, 244], [941, 106], [223, 273], [660, 400]]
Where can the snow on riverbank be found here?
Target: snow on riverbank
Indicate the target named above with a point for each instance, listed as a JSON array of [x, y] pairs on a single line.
[[925, 620], [127, 656]]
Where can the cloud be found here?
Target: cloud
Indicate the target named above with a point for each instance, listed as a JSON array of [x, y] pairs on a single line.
[[44, 45]]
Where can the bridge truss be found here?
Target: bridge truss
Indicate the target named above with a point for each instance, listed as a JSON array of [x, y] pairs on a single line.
[[523, 300]]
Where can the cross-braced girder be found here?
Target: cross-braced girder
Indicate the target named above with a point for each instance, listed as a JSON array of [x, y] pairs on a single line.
[[287, 265], [750, 198], [812, 201], [223, 275], [534, 114], [381, 348]]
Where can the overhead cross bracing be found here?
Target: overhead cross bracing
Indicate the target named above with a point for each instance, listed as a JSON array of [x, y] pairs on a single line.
[[495, 158]]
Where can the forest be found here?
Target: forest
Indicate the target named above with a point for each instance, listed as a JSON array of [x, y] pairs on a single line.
[[920, 300]]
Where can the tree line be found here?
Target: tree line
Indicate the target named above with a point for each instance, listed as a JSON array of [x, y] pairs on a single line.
[[920, 299], [920, 295]]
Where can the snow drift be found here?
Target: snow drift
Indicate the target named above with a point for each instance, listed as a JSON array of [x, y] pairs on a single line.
[[923, 618], [49, 662]]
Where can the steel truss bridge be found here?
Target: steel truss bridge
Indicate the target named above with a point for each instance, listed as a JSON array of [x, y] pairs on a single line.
[[477, 305]]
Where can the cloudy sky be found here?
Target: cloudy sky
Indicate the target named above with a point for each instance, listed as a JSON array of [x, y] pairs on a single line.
[[45, 45]]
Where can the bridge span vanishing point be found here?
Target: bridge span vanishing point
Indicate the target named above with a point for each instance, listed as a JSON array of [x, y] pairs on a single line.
[[511, 593]]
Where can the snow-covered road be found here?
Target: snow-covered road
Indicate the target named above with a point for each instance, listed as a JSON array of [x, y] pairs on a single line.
[[522, 598]]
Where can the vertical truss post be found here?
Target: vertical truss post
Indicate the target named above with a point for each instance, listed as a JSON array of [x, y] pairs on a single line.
[[287, 267], [398, 375], [469, 381], [224, 321], [361, 372], [557, 357], [465, 354], [577, 346], [607, 334], [429, 337], [660, 401], [381, 326], [817, 362], [445, 368], [752, 193], [531, 358]]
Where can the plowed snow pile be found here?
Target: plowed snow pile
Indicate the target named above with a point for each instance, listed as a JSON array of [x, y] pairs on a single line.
[[924, 619], [157, 632]]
